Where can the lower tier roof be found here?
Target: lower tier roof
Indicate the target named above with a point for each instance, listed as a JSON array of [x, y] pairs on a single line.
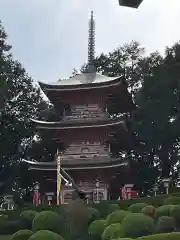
[[93, 163], [90, 123]]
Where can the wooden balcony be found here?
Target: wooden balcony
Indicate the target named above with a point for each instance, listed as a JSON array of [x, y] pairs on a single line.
[[130, 3]]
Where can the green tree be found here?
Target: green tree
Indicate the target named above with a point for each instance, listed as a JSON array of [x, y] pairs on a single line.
[[157, 117], [22, 101]]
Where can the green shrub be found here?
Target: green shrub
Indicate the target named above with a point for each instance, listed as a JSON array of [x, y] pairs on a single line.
[[162, 236], [78, 216], [45, 235], [122, 239], [113, 231], [165, 224], [93, 214], [116, 217], [137, 225], [96, 228], [163, 211], [3, 222], [103, 208], [149, 210], [7, 226], [175, 213], [113, 207], [172, 201], [136, 207], [46, 220], [27, 217], [24, 234]]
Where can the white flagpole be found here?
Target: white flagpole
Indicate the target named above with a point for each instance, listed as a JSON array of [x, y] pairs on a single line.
[[58, 176]]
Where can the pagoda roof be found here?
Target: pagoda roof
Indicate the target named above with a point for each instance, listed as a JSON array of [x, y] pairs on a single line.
[[80, 123], [81, 163], [83, 80]]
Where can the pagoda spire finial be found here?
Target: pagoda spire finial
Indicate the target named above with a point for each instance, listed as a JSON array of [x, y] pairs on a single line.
[[91, 44]]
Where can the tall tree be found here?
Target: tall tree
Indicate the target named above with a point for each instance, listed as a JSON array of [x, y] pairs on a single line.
[[157, 117], [22, 101]]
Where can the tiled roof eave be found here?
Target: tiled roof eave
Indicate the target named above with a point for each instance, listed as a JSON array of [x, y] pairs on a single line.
[[80, 125], [49, 87], [52, 167]]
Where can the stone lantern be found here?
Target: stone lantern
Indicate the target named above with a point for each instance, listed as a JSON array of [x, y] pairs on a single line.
[[155, 189], [49, 197], [9, 200], [166, 182]]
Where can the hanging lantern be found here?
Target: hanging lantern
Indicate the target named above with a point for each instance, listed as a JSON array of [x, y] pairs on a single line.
[[130, 3]]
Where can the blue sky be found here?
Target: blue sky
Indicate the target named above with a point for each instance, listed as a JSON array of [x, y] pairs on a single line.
[[49, 37]]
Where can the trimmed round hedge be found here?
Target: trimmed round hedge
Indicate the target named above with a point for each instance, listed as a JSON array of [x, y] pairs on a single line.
[[113, 207], [113, 231], [162, 236], [26, 218], [24, 234], [96, 228], [149, 210], [93, 214], [165, 224], [175, 213], [136, 207], [137, 225], [172, 201], [45, 235], [163, 211], [116, 217], [122, 239], [46, 220]]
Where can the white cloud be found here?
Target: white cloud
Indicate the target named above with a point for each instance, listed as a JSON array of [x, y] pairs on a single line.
[[50, 36]]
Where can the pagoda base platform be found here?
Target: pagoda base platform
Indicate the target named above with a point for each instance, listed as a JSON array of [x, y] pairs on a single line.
[[110, 181]]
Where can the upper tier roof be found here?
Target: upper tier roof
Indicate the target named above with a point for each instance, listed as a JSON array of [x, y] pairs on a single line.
[[83, 79]]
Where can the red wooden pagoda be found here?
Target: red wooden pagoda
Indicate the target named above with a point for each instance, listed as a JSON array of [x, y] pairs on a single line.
[[86, 129]]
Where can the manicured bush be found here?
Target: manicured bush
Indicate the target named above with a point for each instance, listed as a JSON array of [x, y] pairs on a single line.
[[137, 225], [162, 236], [172, 201], [7, 226], [116, 217], [3, 222], [96, 228], [45, 235], [24, 234], [46, 220], [103, 208], [77, 216], [136, 207], [113, 207], [163, 211], [93, 214], [149, 210], [26, 218], [165, 224], [113, 231], [175, 213], [123, 239]]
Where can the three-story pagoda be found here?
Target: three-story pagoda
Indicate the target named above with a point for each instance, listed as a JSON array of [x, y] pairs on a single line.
[[86, 131]]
